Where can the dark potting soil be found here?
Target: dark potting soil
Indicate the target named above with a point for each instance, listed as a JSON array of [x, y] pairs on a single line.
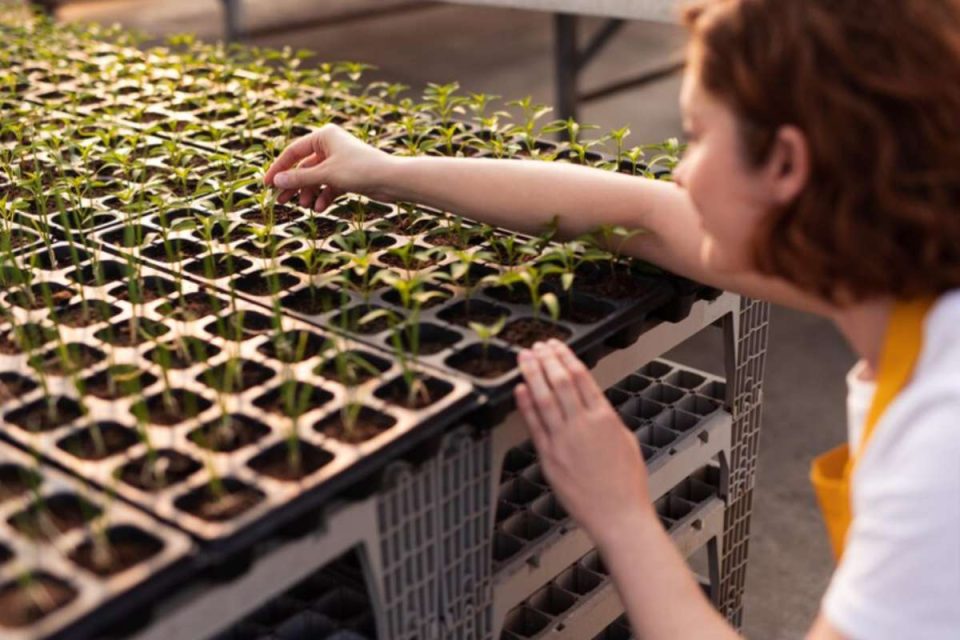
[[527, 331], [616, 283], [149, 289], [125, 547], [452, 239], [463, 313], [263, 284], [228, 433], [192, 306], [24, 603], [183, 353], [583, 312], [293, 399], [241, 325], [350, 320], [281, 215], [16, 480], [358, 367], [54, 515], [170, 408], [165, 469], [42, 296], [125, 334], [516, 294], [232, 499], [46, 414], [218, 266], [29, 337], [492, 365], [99, 441], [74, 357], [368, 424], [431, 339], [313, 301], [425, 392], [118, 381], [13, 385], [413, 264], [236, 375], [289, 461], [294, 346], [83, 315]]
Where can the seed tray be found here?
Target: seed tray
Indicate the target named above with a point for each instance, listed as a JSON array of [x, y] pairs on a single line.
[[199, 387], [84, 599], [662, 416], [614, 320], [586, 586]]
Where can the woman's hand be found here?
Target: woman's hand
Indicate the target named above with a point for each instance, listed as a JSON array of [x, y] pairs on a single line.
[[327, 163], [593, 462]]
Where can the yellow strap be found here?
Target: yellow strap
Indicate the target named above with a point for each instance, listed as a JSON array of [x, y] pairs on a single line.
[[901, 350]]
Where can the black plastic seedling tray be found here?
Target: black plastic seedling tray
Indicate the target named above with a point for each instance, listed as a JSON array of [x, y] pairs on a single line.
[[82, 603], [246, 465]]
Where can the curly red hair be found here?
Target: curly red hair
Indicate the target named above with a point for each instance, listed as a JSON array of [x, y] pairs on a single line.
[[875, 87]]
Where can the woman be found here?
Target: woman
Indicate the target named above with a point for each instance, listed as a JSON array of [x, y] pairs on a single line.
[[823, 172]]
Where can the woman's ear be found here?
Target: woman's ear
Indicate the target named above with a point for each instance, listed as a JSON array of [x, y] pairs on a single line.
[[788, 166]]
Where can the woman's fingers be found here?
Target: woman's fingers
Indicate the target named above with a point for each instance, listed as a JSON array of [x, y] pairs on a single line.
[[294, 153], [560, 379], [538, 430], [590, 393], [542, 395]]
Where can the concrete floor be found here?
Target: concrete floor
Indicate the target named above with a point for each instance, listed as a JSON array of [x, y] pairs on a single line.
[[507, 53]]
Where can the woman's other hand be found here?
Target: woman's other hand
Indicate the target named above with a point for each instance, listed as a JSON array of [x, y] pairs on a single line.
[[593, 462], [327, 163]]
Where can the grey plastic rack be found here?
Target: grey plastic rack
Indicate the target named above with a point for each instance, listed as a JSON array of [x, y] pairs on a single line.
[[534, 538], [582, 601]]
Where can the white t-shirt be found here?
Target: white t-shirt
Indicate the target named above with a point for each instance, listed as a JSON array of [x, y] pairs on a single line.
[[899, 577]]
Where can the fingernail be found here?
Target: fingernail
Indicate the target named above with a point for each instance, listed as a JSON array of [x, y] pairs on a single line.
[[282, 180], [523, 356], [538, 346]]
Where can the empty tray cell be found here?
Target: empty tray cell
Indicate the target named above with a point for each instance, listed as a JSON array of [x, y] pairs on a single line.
[[616, 397], [593, 562], [305, 625], [655, 369], [26, 600], [505, 510], [524, 622], [656, 436], [342, 605], [534, 474], [276, 612], [685, 379], [549, 507], [662, 393], [552, 600], [505, 546], [579, 580], [619, 629], [699, 405], [527, 526], [673, 507], [714, 389], [520, 491], [708, 475], [634, 383], [642, 408], [695, 491], [517, 460], [677, 420], [649, 453]]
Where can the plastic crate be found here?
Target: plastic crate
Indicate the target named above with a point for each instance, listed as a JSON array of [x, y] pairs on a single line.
[[681, 428], [582, 601]]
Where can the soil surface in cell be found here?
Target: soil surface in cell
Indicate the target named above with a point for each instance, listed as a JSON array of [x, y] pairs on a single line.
[[12, 386], [46, 415], [123, 548], [229, 501], [23, 603], [423, 394], [527, 331], [15, 480], [99, 441], [228, 433], [165, 469], [192, 306], [281, 215], [54, 515], [366, 425], [493, 365], [290, 461]]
